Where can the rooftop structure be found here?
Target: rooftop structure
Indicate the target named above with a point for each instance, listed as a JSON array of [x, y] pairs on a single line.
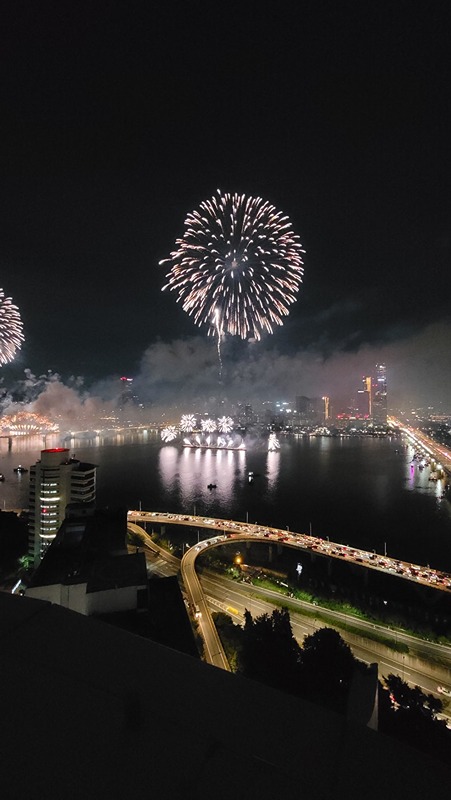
[[96, 712], [88, 569]]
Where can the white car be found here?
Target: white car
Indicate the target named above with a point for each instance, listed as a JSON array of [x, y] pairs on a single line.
[[444, 690]]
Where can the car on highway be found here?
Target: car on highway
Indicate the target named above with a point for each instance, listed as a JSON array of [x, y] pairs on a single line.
[[444, 690]]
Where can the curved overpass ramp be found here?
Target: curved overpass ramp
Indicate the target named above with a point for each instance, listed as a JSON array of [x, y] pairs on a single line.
[[224, 531]]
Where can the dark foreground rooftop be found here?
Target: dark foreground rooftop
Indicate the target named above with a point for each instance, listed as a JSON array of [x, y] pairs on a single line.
[[91, 711]]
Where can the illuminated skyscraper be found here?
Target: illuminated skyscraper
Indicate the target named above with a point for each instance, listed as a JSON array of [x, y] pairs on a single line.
[[55, 481], [365, 398], [379, 399]]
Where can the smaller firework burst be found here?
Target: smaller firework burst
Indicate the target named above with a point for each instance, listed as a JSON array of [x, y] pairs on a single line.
[[169, 433], [208, 425], [225, 424], [26, 423], [188, 423], [273, 443]]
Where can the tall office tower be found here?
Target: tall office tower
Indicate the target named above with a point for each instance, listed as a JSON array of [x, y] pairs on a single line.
[[326, 408], [379, 402], [364, 399], [55, 481], [368, 393]]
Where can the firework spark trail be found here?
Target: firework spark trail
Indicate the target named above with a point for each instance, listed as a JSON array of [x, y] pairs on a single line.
[[237, 268], [11, 335], [218, 344]]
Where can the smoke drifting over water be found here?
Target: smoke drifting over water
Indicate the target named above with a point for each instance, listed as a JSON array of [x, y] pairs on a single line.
[[182, 375]]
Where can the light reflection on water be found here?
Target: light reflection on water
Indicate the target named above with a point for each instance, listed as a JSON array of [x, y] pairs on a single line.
[[272, 470], [189, 472]]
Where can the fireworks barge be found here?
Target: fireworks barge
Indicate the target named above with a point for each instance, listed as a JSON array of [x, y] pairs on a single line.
[[213, 446]]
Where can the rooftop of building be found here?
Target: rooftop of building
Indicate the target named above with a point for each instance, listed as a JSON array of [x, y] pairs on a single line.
[[90, 547], [96, 712], [165, 620]]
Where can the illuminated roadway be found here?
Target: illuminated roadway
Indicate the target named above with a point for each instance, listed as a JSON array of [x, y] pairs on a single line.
[[233, 531], [228, 531], [426, 664], [422, 442]]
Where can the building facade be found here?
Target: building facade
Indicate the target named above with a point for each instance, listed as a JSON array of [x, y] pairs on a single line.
[[55, 480], [379, 396]]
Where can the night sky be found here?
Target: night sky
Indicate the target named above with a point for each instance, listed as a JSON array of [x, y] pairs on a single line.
[[119, 118]]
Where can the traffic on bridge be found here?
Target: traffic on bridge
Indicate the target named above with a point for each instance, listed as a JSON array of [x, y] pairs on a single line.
[[233, 531], [230, 530], [420, 440]]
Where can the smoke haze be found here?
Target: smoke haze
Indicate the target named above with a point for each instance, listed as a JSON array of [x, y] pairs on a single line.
[[183, 376]]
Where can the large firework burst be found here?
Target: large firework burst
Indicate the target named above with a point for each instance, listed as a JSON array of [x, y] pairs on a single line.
[[238, 267], [11, 336]]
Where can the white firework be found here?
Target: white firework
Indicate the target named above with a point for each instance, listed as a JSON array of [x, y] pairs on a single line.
[[273, 443], [225, 424], [188, 423], [208, 425], [11, 335], [169, 433], [238, 267]]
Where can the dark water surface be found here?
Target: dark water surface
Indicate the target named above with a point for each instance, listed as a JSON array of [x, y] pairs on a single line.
[[358, 491]]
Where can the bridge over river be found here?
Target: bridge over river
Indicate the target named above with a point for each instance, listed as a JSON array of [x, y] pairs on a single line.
[[224, 531], [231, 530]]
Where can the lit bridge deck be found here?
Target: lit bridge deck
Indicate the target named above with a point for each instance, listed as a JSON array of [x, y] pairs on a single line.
[[224, 531], [230, 530]]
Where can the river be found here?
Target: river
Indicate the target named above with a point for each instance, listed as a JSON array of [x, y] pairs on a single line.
[[361, 491]]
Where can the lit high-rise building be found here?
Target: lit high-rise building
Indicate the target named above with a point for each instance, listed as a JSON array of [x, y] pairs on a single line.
[[379, 399], [55, 480], [365, 398]]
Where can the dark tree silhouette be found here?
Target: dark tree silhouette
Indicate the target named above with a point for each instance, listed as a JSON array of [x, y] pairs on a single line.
[[327, 664], [270, 652]]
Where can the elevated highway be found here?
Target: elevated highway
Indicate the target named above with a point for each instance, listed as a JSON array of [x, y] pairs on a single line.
[[234, 531], [229, 531]]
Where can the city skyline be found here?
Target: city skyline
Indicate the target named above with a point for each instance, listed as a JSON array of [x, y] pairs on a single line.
[[185, 391], [336, 115]]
